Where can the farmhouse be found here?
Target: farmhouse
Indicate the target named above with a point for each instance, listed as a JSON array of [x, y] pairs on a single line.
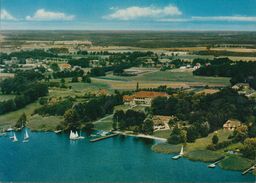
[[143, 98], [64, 66], [232, 124]]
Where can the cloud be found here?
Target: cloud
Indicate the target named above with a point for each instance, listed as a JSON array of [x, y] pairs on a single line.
[[226, 18], [5, 15], [43, 15], [135, 12]]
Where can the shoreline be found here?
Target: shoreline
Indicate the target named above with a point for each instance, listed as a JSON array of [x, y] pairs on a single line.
[[141, 136]]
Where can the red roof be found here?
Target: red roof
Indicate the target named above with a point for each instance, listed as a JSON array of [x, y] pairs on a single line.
[[149, 94]]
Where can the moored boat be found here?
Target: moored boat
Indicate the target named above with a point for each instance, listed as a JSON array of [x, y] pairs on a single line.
[[14, 138], [179, 155]]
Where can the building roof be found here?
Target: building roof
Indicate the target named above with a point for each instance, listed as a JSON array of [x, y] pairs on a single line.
[[149, 94], [65, 66], [232, 123], [128, 98], [158, 119]]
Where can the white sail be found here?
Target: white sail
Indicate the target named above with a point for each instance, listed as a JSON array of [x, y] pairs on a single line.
[[14, 138], [26, 136], [76, 135], [181, 151]]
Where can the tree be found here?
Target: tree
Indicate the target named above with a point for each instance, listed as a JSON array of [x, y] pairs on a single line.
[[86, 79], [74, 79], [249, 148], [148, 126], [55, 67], [215, 139], [71, 119], [192, 133], [21, 121]]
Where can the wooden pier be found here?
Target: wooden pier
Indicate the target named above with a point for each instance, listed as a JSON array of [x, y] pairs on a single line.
[[104, 137], [249, 169]]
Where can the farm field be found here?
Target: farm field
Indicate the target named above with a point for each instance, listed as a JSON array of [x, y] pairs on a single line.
[[173, 78], [46, 123]]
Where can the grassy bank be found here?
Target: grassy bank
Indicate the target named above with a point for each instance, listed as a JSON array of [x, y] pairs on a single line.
[[162, 133], [233, 162], [204, 155], [47, 123], [10, 119]]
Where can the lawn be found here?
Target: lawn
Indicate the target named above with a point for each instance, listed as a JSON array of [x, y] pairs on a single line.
[[204, 155], [47, 123], [234, 162], [166, 148], [104, 124], [10, 119], [162, 133]]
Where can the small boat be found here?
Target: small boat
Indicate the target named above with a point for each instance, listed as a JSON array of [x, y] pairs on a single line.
[[212, 165], [9, 129], [14, 138], [26, 137], [80, 136], [179, 155], [73, 136], [57, 131]]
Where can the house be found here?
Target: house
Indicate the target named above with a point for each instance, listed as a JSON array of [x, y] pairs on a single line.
[[161, 122], [64, 66], [143, 98], [232, 124], [241, 86]]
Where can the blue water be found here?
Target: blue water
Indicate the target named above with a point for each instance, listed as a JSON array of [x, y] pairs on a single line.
[[48, 157]]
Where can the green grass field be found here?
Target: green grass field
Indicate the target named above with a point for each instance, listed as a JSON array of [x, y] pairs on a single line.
[[40, 123], [104, 124], [162, 133], [204, 155], [234, 162], [11, 118]]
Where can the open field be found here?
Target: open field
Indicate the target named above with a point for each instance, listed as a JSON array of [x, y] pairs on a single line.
[[204, 155], [233, 162], [46, 123], [11, 118], [144, 39], [173, 78], [162, 133], [105, 124]]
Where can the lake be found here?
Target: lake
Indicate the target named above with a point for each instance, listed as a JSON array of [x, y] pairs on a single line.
[[48, 157]]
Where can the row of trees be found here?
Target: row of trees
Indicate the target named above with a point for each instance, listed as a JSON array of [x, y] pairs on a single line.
[[133, 120], [240, 72], [205, 113]]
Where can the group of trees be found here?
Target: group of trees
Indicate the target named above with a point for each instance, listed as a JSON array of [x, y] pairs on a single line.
[[82, 62], [25, 86], [205, 113], [57, 108], [133, 120], [82, 114], [68, 73], [240, 72]]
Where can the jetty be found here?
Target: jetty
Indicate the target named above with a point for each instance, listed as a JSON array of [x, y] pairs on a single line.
[[213, 165], [104, 137], [249, 169]]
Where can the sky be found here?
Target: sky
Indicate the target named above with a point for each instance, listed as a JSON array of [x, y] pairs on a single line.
[[233, 15]]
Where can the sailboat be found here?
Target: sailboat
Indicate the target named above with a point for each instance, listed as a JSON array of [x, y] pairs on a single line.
[[73, 136], [179, 155], [80, 136], [26, 137], [14, 138]]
